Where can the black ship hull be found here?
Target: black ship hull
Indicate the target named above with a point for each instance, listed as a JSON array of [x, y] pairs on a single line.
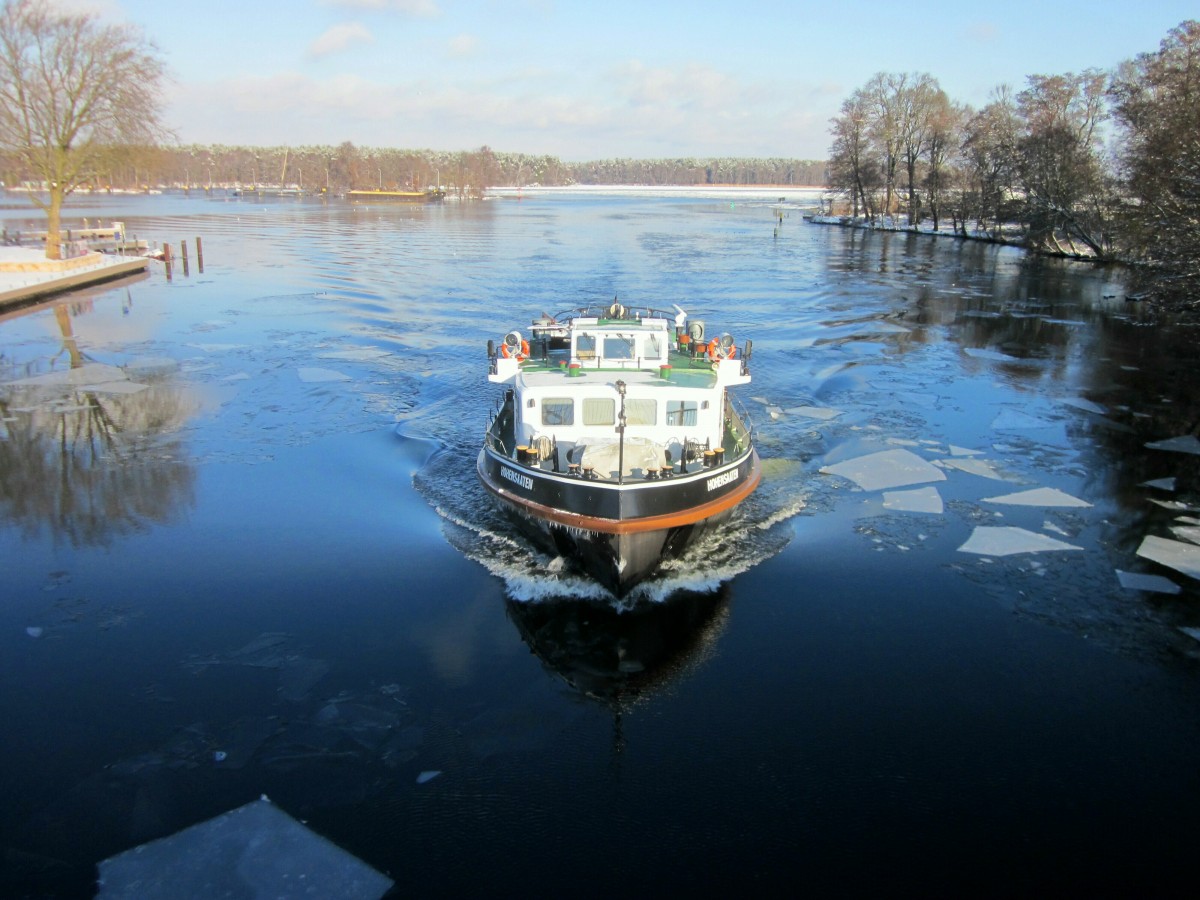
[[618, 533]]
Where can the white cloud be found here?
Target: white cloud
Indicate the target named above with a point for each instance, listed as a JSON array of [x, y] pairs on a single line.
[[463, 45], [340, 37], [421, 9]]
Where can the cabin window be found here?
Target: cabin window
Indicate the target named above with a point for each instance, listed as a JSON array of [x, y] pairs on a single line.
[[682, 412], [585, 346], [618, 346], [639, 411], [558, 411], [653, 347], [599, 411]]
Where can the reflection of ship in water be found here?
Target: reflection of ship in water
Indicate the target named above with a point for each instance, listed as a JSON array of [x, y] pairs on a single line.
[[620, 656]]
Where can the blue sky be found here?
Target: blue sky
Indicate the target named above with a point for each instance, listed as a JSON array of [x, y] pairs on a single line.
[[599, 78]]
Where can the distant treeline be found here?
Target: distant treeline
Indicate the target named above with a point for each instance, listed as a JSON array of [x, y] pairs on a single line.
[[463, 173]]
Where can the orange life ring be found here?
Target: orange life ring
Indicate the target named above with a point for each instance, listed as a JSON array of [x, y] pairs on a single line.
[[522, 354], [714, 351]]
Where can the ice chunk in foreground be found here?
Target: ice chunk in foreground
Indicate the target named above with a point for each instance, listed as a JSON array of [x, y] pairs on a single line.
[[886, 469], [923, 500], [1038, 497], [1137, 581], [255, 851], [1177, 555], [993, 540], [1185, 444]]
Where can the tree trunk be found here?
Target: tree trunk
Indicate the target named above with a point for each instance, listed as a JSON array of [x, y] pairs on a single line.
[[54, 223]]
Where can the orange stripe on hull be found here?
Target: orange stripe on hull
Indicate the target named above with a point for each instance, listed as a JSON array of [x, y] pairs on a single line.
[[636, 526]]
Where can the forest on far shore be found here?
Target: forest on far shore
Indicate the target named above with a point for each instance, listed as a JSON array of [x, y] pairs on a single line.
[[344, 167]]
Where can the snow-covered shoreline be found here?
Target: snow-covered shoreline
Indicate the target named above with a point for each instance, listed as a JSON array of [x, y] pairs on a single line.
[[804, 193]]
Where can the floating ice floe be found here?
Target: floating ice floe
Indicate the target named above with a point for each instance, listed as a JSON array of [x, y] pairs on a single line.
[[1138, 581], [1163, 484], [115, 387], [1173, 505], [1085, 405], [1015, 420], [813, 412], [983, 353], [1039, 497], [1184, 444], [256, 850], [981, 467], [427, 776], [314, 375], [964, 451], [1177, 555], [88, 373], [921, 500], [362, 354], [1190, 632], [1189, 533], [886, 469], [1005, 540]]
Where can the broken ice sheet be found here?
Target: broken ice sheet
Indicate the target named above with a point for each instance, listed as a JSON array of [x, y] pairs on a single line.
[[1177, 555], [1188, 533], [1085, 405], [922, 500], [256, 850], [1184, 444], [991, 540], [886, 469], [1015, 420], [1163, 484], [310, 375], [813, 412], [1138, 581], [1039, 497], [981, 467]]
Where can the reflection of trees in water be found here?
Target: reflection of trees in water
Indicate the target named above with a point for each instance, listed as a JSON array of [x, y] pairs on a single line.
[[87, 465], [618, 656]]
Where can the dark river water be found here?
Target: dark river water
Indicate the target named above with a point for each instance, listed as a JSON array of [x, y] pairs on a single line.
[[252, 558]]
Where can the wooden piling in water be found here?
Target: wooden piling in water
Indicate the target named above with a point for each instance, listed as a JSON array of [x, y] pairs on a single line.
[[183, 253], [167, 258], [199, 255]]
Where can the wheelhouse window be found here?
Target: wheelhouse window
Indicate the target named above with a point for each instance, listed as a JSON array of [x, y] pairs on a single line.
[[599, 411], [682, 412], [558, 411], [640, 411], [618, 346], [585, 346]]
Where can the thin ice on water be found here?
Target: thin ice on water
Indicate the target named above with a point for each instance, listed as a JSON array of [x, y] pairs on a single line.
[[1039, 497], [992, 540], [1178, 555], [256, 851], [886, 469], [920, 500]]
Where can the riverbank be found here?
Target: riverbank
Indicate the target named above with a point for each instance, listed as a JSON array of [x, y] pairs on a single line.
[[1010, 235], [27, 275]]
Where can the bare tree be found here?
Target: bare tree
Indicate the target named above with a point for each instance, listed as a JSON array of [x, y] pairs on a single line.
[[1157, 103], [852, 165], [73, 94], [1062, 174]]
